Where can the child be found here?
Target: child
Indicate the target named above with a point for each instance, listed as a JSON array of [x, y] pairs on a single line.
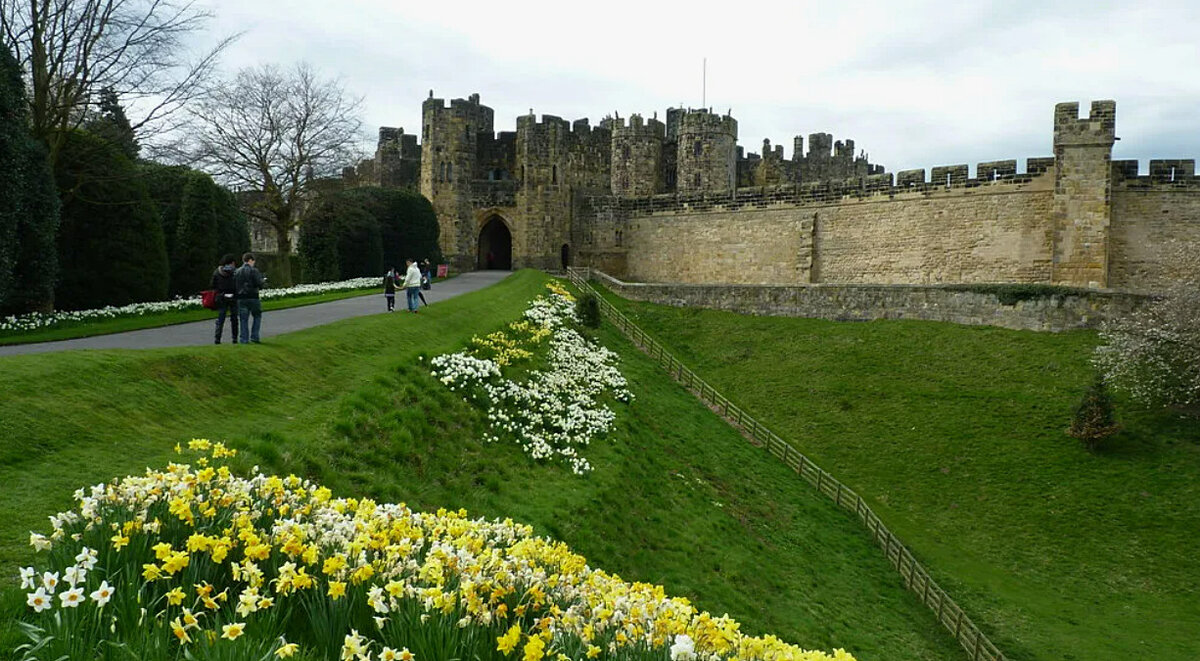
[[389, 289]]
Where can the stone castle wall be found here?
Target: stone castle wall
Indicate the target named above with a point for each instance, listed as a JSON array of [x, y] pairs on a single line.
[[570, 193], [1152, 222]]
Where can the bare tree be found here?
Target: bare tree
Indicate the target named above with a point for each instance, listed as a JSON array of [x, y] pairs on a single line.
[[276, 132], [71, 49]]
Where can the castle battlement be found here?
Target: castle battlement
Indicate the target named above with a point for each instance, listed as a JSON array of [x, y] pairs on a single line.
[[1165, 174], [703, 121], [1098, 128], [637, 127]]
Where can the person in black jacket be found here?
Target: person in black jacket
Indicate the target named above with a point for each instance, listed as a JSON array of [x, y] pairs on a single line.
[[248, 281], [389, 289], [223, 284]]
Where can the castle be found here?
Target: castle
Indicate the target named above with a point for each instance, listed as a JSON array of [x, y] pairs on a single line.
[[681, 202]]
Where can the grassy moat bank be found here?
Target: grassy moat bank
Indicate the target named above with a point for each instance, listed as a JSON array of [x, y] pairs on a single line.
[[956, 436], [676, 497]]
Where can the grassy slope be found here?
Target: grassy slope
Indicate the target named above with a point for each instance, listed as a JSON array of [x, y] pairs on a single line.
[[70, 331], [956, 435], [678, 497]]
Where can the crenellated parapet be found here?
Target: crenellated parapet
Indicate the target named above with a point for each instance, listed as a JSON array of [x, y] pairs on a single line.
[[1164, 174]]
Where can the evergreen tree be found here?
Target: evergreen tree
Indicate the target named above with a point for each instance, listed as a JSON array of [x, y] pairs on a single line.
[[166, 184], [407, 223], [113, 125], [28, 204], [233, 230], [111, 240], [197, 236], [340, 239]]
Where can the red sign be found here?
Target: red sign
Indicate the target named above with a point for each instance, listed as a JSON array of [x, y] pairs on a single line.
[[443, 270]]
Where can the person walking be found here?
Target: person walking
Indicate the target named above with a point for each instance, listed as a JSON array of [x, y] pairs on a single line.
[[223, 283], [412, 284], [389, 289], [427, 271], [248, 281]]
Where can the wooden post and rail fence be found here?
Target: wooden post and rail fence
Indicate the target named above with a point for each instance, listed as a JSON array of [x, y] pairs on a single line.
[[915, 576]]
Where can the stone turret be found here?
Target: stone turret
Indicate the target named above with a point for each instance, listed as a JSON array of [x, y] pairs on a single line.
[[707, 152], [637, 156], [448, 160]]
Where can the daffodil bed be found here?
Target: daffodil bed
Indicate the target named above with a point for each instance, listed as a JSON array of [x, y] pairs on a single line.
[[551, 413], [194, 562]]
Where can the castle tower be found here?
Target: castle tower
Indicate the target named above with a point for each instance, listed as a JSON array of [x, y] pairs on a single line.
[[544, 195], [707, 152], [448, 156], [1082, 209], [637, 156]]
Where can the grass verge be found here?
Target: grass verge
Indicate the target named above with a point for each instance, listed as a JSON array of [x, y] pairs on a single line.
[[956, 436], [677, 497]]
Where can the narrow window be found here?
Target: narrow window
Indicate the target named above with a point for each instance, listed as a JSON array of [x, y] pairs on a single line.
[[554, 174], [697, 148], [449, 176], [697, 180], [467, 133], [625, 152]]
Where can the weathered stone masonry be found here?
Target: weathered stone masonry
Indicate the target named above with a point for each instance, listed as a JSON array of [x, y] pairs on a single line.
[[679, 202]]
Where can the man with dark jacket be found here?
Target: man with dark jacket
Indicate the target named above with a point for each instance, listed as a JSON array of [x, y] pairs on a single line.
[[223, 284], [248, 280]]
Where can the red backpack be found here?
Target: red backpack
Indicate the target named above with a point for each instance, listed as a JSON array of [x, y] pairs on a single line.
[[208, 298]]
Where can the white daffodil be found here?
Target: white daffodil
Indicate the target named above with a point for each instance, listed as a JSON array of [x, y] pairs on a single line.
[[102, 594], [71, 598], [39, 542], [28, 578], [39, 600], [74, 575], [50, 581]]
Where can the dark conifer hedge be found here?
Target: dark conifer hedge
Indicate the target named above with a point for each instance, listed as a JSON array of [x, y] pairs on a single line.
[[28, 205], [366, 231], [110, 241]]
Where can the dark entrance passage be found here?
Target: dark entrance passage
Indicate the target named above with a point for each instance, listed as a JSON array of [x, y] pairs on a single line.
[[495, 245], [566, 256]]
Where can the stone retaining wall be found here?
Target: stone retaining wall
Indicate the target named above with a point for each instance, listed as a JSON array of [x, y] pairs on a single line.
[[868, 302]]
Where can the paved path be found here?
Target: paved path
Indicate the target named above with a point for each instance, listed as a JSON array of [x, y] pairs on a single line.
[[275, 322]]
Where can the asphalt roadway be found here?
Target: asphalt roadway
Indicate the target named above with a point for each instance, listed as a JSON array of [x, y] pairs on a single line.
[[275, 322]]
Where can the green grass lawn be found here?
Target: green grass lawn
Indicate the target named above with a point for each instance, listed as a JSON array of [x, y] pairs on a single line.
[[70, 331], [956, 436], [677, 497]]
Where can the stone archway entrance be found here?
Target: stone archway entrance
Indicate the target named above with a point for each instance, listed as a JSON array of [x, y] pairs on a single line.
[[495, 245], [565, 253]]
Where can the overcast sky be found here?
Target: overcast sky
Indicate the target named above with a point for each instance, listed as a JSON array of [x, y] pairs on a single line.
[[915, 84]]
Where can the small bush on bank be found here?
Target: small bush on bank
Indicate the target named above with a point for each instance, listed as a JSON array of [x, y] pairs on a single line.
[[589, 310], [1094, 419]]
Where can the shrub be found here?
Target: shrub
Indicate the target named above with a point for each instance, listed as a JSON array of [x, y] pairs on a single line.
[[196, 252], [408, 226], [1154, 353], [1094, 419], [110, 240], [200, 222], [365, 231], [589, 310], [340, 239], [28, 205]]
